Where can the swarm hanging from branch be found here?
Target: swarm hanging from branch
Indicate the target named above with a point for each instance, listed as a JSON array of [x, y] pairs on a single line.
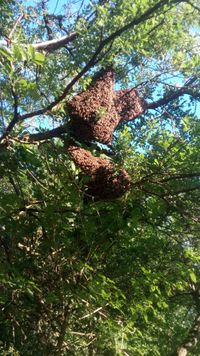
[[128, 104], [95, 114], [106, 182]]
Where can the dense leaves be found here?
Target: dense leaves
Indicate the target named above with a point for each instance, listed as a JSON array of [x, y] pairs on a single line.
[[85, 277]]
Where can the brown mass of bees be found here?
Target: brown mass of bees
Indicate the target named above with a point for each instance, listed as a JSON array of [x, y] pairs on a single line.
[[95, 114], [106, 182]]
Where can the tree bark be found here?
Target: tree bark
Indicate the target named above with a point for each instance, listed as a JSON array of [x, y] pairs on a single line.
[[192, 338]]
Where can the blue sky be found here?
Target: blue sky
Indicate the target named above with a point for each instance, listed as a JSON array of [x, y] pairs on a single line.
[[55, 6], [52, 4]]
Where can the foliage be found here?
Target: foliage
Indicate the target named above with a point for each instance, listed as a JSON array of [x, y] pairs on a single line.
[[84, 277]]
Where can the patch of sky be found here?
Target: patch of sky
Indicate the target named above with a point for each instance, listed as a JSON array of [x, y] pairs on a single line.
[[67, 8]]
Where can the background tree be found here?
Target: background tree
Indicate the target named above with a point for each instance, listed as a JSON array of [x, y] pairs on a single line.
[[106, 277]]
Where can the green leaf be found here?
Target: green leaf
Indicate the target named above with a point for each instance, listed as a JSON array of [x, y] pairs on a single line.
[[193, 277], [19, 53], [4, 52], [39, 58], [31, 51]]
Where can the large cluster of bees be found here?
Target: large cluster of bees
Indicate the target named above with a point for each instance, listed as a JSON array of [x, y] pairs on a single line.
[[95, 113]]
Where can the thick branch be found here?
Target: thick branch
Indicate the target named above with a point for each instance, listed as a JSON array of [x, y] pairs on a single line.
[[55, 44], [63, 129], [62, 331], [40, 136], [173, 96], [48, 46]]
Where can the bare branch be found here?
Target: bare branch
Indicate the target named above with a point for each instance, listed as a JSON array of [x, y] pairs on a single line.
[[92, 313], [14, 27], [48, 46], [55, 44], [15, 187]]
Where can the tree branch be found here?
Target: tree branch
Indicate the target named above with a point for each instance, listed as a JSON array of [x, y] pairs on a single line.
[[40, 136], [63, 129], [138, 20], [15, 117], [63, 328], [55, 44], [191, 340], [46, 21], [180, 176], [183, 90], [14, 27], [187, 190]]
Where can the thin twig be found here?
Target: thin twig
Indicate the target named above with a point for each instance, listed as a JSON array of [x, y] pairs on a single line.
[[46, 21], [88, 315], [14, 27]]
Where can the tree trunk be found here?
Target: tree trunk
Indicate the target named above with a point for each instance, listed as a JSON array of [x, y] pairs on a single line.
[[191, 340]]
